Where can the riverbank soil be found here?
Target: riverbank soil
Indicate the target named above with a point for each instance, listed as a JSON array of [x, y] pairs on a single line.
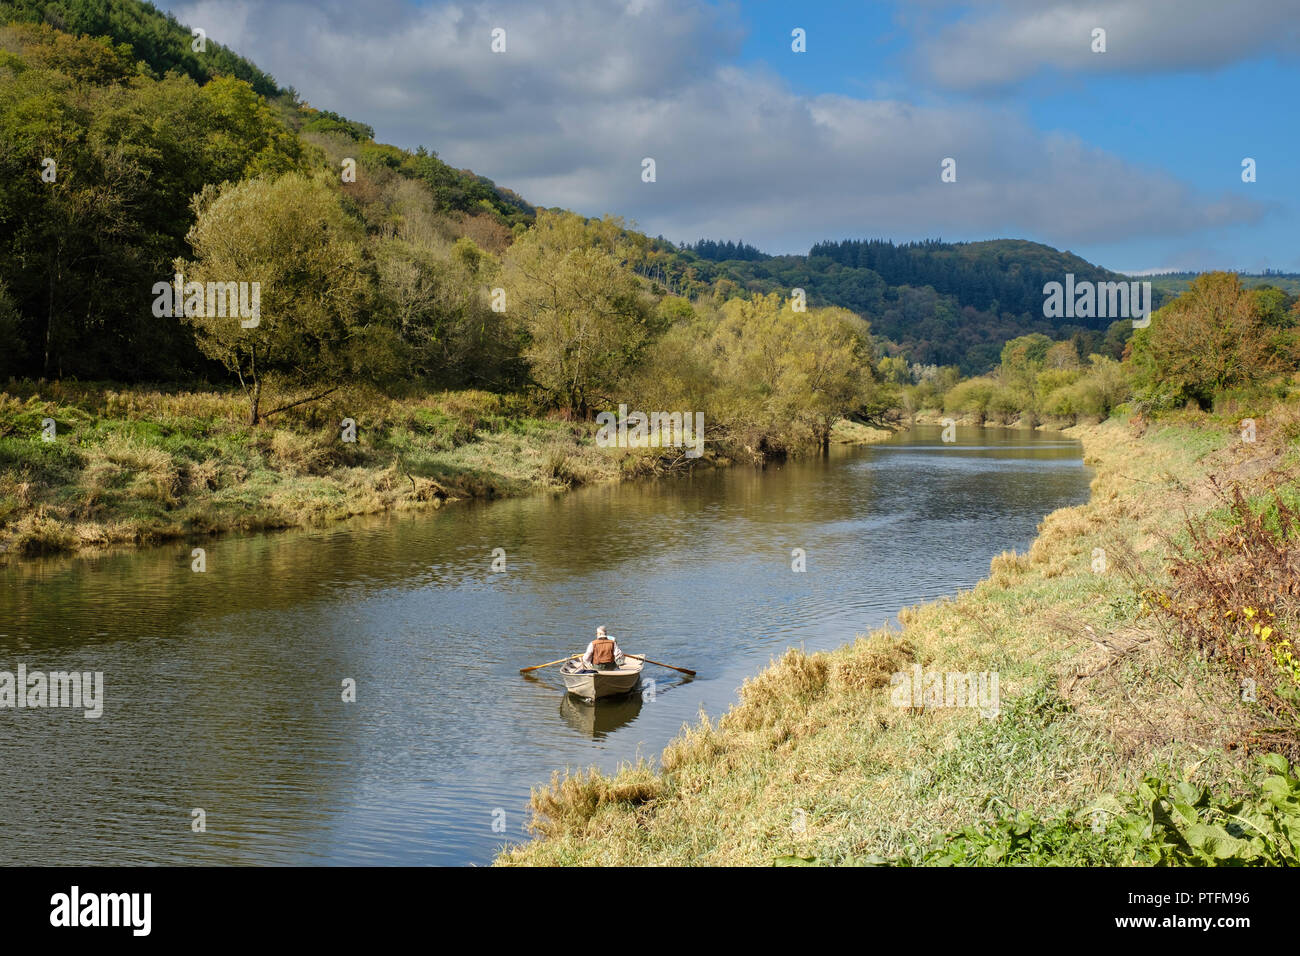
[[1107, 669]]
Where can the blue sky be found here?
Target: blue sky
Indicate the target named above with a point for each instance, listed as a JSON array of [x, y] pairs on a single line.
[[1131, 157], [1195, 123]]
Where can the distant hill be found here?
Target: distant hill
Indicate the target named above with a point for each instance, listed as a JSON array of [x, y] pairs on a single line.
[[1174, 283], [162, 43], [934, 302], [1005, 275]]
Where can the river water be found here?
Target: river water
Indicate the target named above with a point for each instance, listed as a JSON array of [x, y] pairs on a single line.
[[223, 689]]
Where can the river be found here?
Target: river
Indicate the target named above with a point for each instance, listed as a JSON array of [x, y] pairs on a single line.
[[223, 690]]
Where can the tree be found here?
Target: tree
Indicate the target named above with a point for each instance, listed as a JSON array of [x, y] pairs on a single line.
[[829, 368], [1062, 355], [1117, 336], [436, 298], [784, 376], [1207, 340], [895, 370], [1023, 357], [585, 315], [83, 239], [1272, 305], [291, 236]]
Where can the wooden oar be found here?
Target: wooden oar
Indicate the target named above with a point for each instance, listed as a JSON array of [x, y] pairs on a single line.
[[525, 670], [661, 664]]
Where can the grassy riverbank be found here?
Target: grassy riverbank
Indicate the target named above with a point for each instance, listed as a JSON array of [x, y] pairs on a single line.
[[134, 466], [1098, 687]]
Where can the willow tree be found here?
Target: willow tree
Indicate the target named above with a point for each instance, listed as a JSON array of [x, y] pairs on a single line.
[[292, 238], [830, 368], [435, 296], [786, 376], [584, 313]]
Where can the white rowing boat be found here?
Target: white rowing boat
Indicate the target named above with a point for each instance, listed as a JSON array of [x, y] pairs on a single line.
[[594, 684]]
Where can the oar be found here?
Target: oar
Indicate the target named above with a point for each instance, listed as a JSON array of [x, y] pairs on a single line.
[[535, 667], [661, 664]]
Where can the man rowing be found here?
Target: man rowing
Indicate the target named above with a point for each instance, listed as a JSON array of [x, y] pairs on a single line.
[[603, 654]]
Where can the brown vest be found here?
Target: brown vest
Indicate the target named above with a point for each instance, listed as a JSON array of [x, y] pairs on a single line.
[[602, 651]]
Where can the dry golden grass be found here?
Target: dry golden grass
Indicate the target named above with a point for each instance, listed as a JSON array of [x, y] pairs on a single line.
[[855, 433], [575, 801]]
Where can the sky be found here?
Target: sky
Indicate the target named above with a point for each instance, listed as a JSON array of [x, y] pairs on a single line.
[[1131, 157]]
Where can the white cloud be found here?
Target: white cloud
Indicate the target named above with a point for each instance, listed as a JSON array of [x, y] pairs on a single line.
[[586, 90]]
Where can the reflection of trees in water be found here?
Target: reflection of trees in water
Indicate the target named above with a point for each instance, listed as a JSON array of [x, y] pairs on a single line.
[[547, 539]]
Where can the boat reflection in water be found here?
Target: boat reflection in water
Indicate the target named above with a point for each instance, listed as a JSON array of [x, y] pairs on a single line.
[[596, 719]]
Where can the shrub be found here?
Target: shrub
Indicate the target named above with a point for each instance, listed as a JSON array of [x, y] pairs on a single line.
[[1235, 595], [37, 534], [1208, 339], [971, 397]]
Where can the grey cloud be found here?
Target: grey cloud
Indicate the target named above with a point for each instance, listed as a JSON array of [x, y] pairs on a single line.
[[1004, 43]]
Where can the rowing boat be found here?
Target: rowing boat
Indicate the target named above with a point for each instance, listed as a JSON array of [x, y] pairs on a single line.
[[594, 684]]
